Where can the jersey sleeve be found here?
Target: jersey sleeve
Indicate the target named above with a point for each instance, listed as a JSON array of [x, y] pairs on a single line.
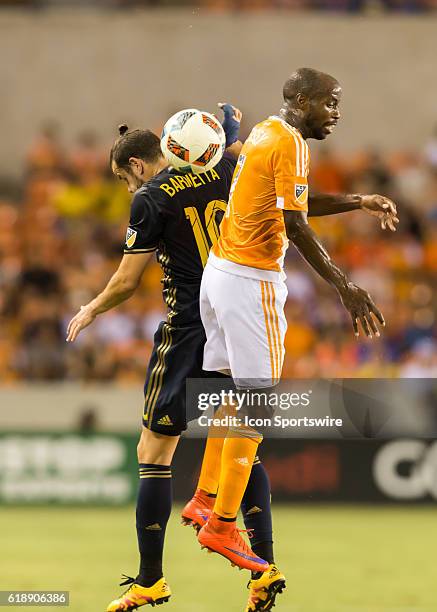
[[290, 161], [146, 223]]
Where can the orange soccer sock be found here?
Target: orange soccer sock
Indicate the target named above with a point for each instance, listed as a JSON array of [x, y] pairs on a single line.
[[237, 459], [210, 472], [211, 465]]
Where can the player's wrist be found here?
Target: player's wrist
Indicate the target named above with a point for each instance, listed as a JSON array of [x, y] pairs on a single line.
[[232, 131], [231, 125], [92, 309], [343, 286], [357, 199], [234, 149]]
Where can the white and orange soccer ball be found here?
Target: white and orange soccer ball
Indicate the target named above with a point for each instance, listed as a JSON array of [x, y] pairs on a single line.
[[193, 141]]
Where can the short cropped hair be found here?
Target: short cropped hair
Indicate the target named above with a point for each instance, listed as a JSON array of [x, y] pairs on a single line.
[[309, 82]]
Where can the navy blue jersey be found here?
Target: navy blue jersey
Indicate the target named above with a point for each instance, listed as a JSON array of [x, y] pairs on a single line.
[[178, 216]]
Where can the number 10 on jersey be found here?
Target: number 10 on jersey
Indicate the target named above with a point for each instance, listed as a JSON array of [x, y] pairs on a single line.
[[205, 228]]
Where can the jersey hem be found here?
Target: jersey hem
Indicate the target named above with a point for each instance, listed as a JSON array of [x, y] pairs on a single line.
[[225, 265]]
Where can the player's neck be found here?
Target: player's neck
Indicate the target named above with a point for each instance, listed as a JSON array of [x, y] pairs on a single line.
[[290, 117], [161, 164], [151, 169]]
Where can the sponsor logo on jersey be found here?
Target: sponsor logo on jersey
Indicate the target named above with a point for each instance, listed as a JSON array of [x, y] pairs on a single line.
[[131, 236], [166, 420], [300, 192]]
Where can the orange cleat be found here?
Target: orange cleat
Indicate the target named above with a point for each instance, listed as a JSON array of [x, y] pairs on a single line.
[[198, 510], [224, 538]]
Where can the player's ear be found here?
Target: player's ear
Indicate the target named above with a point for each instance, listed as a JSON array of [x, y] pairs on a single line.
[[135, 164], [302, 100]]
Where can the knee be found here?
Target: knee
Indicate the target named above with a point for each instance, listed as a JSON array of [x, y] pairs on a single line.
[[156, 448], [141, 449]]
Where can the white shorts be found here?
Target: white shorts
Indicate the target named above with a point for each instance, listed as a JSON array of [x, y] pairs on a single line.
[[245, 326]]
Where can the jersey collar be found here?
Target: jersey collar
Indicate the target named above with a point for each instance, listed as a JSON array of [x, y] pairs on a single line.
[[286, 125]]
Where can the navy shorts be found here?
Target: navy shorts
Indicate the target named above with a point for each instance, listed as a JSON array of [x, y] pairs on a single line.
[[177, 355]]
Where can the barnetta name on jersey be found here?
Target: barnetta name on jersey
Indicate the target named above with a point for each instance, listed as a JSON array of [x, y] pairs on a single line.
[[178, 216], [179, 182]]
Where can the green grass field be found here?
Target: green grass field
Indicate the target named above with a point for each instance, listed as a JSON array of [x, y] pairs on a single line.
[[337, 559]]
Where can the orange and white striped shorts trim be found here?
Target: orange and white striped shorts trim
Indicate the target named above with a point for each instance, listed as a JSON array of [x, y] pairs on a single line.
[[271, 320]]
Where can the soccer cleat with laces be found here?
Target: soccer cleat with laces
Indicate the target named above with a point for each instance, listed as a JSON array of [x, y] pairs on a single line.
[[137, 595], [198, 510], [264, 589], [224, 538]]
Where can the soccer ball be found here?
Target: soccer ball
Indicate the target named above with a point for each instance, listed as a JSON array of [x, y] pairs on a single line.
[[193, 141]]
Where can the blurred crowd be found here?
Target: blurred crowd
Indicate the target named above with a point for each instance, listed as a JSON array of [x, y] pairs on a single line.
[[62, 234], [352, 6]]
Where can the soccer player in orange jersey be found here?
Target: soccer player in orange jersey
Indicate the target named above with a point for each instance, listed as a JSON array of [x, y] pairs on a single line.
[[268, 206]]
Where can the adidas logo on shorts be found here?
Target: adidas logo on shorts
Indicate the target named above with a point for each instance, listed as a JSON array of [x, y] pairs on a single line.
[[166, 420], [154, 527]]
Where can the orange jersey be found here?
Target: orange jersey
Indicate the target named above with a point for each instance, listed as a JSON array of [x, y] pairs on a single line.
[[271, 176]]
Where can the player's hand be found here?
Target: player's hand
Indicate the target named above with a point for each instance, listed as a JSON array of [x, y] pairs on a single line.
[[362, 309], [231, 122], [383, 208], [84, 317], [230, 111]]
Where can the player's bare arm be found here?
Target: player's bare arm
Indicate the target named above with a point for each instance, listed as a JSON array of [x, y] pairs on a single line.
[[120, 288], [376, 205], [234, 149], [357, 302]]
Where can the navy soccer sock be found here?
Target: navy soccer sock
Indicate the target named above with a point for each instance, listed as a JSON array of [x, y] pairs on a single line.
[[257, 513], [153, 511]]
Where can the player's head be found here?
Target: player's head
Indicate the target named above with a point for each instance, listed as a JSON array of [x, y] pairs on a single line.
[[313, 98], [135, 156]]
